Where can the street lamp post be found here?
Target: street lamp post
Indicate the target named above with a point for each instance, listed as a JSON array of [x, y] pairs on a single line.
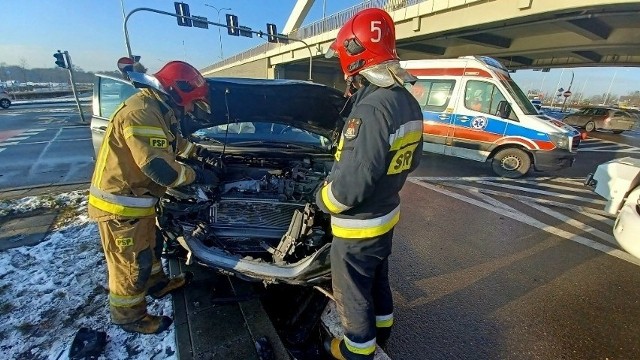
[[569, 90], [219, 34], [606, 98]]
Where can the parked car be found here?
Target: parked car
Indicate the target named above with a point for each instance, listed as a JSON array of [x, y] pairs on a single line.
[[618, 181], [601, 118], [275, 139], [5, 101]]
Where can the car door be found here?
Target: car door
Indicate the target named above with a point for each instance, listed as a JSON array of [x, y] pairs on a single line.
[[108, 94], [436, 98]]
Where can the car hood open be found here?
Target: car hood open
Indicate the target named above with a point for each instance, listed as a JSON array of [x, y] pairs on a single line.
[[302, 104]]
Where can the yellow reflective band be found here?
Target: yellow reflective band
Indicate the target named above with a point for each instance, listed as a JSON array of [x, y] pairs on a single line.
[[361, 230], [402, 160], [101, 161], [146, 131], [331, 202], [406, 134], [384, 321], [119, 209], [187, 151], [366, 348], [339, 149], [182, 177], [125, 300]]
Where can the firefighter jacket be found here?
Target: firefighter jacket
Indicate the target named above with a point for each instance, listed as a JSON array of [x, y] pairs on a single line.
[[380, 143], [137, 160]]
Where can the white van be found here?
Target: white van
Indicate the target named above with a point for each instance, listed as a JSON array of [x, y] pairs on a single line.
[[473, 109]]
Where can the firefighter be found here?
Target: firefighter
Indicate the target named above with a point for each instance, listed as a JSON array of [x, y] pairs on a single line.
[[135, 165], [380, 143]]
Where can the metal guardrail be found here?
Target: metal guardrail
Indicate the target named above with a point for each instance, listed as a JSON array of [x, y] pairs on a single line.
[[329, 23]]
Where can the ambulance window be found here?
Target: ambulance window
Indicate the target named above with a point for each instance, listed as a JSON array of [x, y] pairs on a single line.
[[432, 95], [112, 93], [483, 97]]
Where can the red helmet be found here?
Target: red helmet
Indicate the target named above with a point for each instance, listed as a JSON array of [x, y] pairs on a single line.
[[183, 83], [367, 39]]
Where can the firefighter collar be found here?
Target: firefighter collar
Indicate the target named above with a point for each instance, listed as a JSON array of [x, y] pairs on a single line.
[[351, 128]]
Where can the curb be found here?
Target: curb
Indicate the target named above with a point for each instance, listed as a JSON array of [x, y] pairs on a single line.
[[18, 192]]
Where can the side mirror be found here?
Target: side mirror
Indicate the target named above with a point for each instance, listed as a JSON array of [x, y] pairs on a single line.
[[504, 109]]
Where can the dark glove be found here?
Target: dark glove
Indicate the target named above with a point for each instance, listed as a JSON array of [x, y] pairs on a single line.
[[206, 177], [210, 159]]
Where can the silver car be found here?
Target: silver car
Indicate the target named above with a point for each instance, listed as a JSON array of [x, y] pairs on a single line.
[[601, 118], [5, 101]]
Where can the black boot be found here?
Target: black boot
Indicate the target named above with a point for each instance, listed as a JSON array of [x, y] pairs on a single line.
[[149, 324]]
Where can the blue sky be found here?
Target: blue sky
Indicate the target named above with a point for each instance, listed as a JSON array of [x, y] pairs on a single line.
[[91, 30]]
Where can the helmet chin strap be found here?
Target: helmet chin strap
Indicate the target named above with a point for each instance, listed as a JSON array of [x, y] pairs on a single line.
[[354, 83]]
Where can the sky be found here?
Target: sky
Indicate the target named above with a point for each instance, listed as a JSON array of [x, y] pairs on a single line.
[[92, 32]]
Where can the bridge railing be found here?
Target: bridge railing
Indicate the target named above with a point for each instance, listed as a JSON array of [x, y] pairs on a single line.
[[321, 26]]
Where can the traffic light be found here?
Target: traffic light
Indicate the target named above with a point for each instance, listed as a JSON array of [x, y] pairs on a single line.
[[60, 59], [271, 31], [182, 10], [232, 25]]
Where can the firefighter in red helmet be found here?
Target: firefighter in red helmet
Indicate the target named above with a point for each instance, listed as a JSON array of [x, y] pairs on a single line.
[[136, 163], [381, 142]]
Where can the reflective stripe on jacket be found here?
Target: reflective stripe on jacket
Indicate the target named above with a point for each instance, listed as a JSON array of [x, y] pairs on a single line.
[[381, 142], [137, 160]]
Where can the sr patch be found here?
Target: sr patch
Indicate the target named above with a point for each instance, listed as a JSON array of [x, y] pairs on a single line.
[[351, 128], [158, 142]]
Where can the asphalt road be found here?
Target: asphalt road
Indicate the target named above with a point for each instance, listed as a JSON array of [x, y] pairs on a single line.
[[44, 145], [489, 268], [482, 268]]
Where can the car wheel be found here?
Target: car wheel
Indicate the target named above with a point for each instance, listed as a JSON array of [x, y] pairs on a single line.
[[511, 163], [5, 103], [590, 126], [617, 131]]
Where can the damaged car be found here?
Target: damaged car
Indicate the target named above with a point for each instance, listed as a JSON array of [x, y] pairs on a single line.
[[275, 140]]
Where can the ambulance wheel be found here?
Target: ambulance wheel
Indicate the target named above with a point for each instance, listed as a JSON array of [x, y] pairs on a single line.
[[511, 163], [590, 126]]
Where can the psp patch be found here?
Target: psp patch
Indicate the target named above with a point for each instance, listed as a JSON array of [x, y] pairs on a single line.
[[351, 128], [124, 242], [158, 142]]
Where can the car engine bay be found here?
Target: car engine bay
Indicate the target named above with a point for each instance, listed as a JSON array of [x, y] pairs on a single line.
[[263, 209]]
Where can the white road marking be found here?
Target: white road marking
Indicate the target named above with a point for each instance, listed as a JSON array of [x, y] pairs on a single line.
[[547, 185], [17, 138], [573, 222], [2, 149], [578, 208], [544, 192], [518, 216], [8, 143]]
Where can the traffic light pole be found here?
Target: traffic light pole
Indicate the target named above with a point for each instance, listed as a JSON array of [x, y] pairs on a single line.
[[73, 84], [259, 33]]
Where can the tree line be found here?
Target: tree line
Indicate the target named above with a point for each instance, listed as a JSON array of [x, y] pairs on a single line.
[[21, 74]]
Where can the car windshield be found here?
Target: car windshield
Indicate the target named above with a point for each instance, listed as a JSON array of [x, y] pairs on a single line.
[[520, 98], [261, 133]]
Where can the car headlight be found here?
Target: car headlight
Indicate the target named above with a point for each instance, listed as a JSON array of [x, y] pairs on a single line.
[[560, 141]]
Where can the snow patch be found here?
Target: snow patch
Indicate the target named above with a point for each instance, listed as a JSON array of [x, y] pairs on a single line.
[[50, 290]]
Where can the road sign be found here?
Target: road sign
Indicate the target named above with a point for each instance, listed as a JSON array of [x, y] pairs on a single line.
[[201, 22], [125, 62], [182, 10], [566, 93]]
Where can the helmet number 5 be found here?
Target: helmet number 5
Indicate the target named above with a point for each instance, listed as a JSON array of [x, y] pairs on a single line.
[[375, 27]]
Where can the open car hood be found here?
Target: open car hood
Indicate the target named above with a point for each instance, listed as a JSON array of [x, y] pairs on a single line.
[[301, 104]]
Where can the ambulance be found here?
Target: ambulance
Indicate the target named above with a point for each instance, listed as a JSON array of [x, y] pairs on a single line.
[[472, 109]]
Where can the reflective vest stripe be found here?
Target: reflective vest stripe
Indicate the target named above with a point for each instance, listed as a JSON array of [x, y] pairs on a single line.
[[147, 131], [140, 202], [125, 300], [119, 209], [101, 161], [182, 177], [365, 348], [367, 228], [185, 153], [384, 321], [406, 134], [339, 149], [331, 202]]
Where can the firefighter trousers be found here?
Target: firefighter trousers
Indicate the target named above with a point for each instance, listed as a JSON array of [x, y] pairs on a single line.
[[360, 279], [132, 248]]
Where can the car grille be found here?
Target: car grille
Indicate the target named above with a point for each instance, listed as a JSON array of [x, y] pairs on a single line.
[[254, 213], [575, 143]]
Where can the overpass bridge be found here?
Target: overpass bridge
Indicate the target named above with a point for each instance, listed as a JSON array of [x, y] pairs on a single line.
[[523, 34]]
